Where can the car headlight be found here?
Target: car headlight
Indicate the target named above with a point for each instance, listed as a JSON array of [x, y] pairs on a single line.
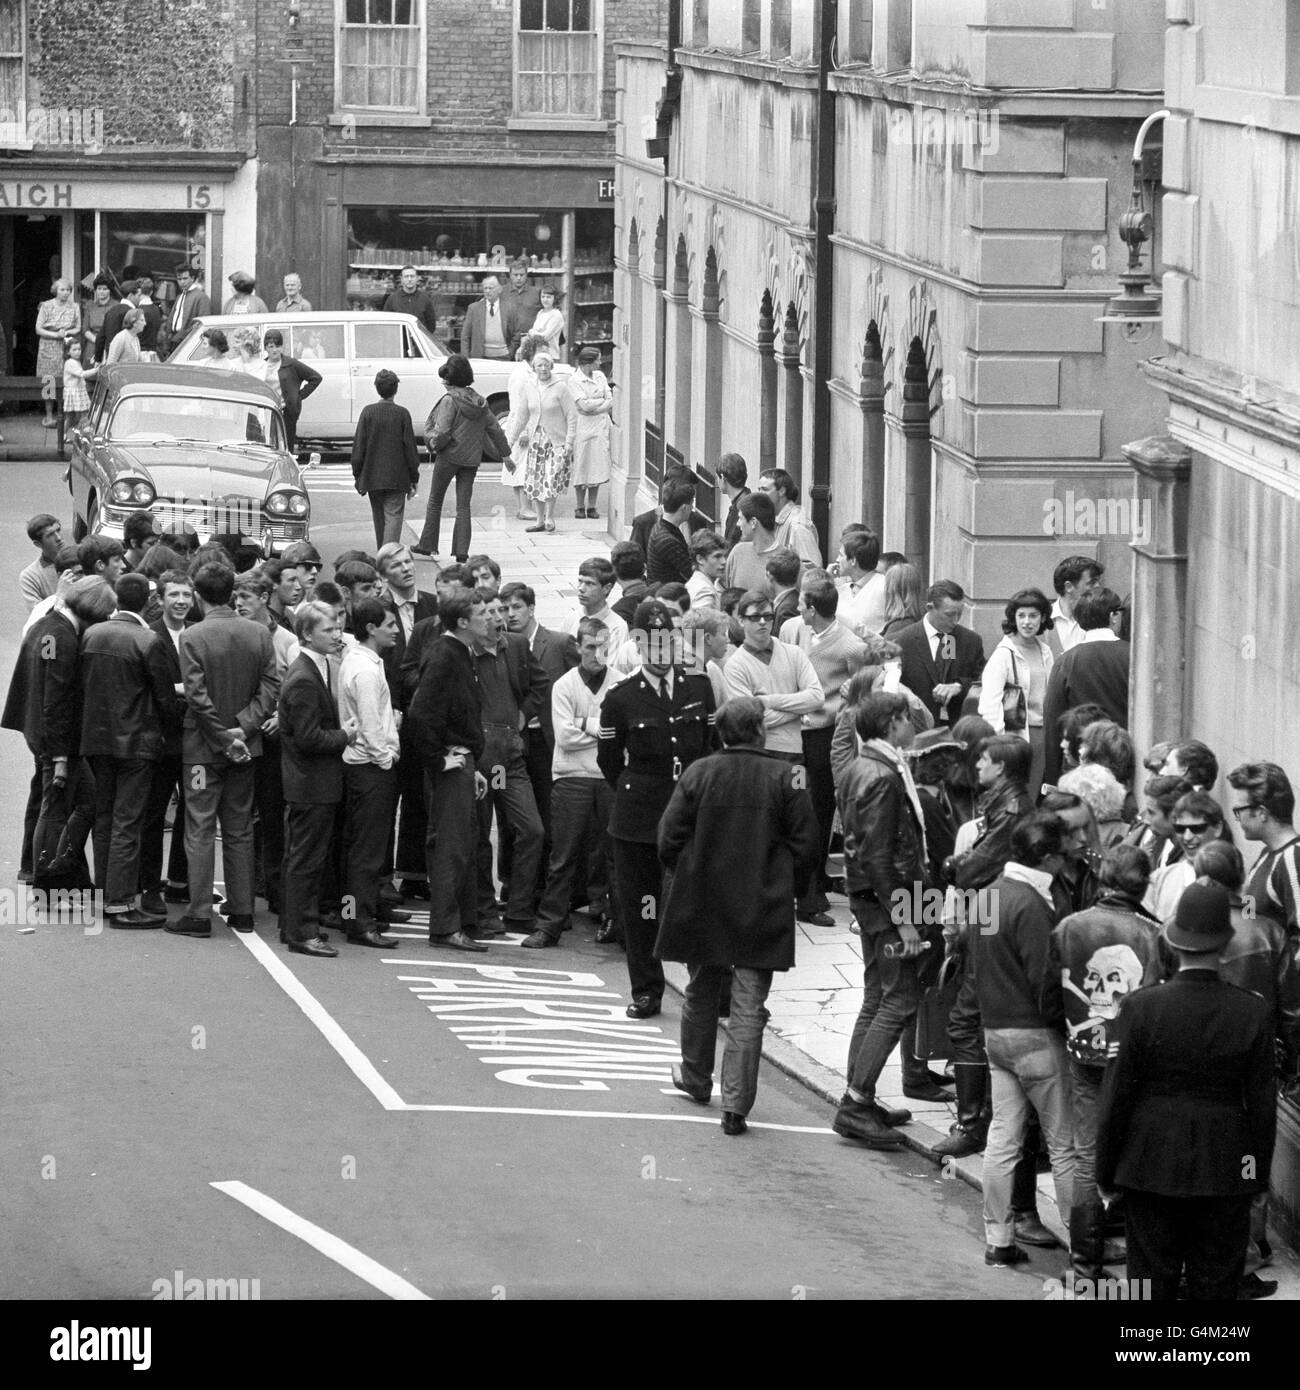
[[298, 504], [143, 494], [277, 503]]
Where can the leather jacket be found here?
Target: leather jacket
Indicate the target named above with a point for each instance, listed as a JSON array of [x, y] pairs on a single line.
[[987, 857], [883, 849]]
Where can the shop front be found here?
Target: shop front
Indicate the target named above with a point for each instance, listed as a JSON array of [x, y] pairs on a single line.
[[458, 225]]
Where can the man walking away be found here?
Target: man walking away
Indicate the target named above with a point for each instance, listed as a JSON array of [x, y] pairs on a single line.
[[740, 839], [385, 461]]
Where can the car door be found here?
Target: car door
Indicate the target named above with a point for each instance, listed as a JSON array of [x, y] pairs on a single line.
[[327, 413], [393, 344], [85, 473]]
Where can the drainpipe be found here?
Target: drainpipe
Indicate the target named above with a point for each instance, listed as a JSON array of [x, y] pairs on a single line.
[[823, 293]]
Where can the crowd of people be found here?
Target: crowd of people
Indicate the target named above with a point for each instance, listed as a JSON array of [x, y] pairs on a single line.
[[684, 760]]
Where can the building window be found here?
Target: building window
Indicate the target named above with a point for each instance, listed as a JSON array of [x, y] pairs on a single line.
[[13, 85], [557, 67], [381, 50]]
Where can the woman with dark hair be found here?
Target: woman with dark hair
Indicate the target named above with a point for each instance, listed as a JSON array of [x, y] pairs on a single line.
[[549, 427], [217, 348], [963, 780], [904, 598], [1072, 724], [1021, 661], [457, 432], [291, 380]]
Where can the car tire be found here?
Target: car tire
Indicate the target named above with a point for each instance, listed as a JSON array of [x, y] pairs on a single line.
[[79, 530]]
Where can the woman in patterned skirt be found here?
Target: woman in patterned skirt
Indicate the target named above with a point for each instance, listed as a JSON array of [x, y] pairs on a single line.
[[58, 321], [547, 426]]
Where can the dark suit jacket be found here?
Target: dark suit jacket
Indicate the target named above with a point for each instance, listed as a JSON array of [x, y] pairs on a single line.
[[525, 305], [645, 523], [297, 382], [668, 558], [731, 526], [529, 683], [555, 653], [423, 637], [196, 304], [228, 666], [473, 333], [384, 454], [419, 304], [171, 736], [921, 674], [1191, 1095], [426, 606], [129, 701], [111, 326], [153, 322], [785, 608], [44, 701], [1090, 673], [311, 742]]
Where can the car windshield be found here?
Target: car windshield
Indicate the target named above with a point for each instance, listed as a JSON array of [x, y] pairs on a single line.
[[168, 419]]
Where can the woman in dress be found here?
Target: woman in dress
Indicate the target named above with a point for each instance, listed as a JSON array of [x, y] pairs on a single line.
[[594, 402], [1021, 658], [548, 430], [514, 464], [58, 321], [125, 346], [549, 323], [93, 318], [904, 598]]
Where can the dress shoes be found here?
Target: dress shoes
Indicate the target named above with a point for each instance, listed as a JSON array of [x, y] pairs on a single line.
[[240, 921], [519, 924], [605, 932], [539, 940], [1031, 1231], [643, 1007], [1005, 1255], [172, 894], [414, 888], [458, 941], [388, 894], [535, 527], [154, 904], [733, 1124], [927, 1090], [817, 919], [891, 1116], [135, 918], [699, 1097], [426, 554], [487, 930], [372, 938], [1252, 1287], [189, 926], [394, 916], [314, 947], [854, 1120]]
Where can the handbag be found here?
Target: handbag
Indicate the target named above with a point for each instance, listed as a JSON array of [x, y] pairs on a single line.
[[932, 1012], [1015, 703]]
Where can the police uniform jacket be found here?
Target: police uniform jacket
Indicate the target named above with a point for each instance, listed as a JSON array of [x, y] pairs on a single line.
[[646, 744], [1188, 1108]]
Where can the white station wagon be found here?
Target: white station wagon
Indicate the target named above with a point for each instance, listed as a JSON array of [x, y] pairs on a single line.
[[348, 348]]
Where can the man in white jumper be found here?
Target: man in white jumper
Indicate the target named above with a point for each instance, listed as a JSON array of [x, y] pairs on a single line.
[[780, 677]]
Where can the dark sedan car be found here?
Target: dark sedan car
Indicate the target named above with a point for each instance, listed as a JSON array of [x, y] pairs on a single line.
[[203, 450]]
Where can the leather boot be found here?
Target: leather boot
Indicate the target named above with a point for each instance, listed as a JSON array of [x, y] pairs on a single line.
[[968, 1135], [1087, 1227]]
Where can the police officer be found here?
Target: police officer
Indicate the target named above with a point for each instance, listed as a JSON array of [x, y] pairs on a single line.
[[652, 727]]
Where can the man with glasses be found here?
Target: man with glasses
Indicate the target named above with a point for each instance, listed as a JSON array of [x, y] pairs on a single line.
[[779, 676], [1197, 819], [652, 727], [1264, 804]]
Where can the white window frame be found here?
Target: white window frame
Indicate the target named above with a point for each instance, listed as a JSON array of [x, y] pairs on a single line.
[[419, 8], [13, 124], [540, 120]]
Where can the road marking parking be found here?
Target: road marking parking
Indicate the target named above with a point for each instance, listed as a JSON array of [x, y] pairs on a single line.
[[331, 1246]]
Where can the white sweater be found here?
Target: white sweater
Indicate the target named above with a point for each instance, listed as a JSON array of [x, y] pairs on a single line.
[[575, 712], [787, 687]]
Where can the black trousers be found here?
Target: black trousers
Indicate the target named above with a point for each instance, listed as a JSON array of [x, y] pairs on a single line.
[[413, 817], [30, 817], [268, 831], [370, 796], [639, 881], [581, 807], [1206, 1236], [166, 779], [821, 788], [308, 835], [122, 788], [964, 1030], [67, 814]]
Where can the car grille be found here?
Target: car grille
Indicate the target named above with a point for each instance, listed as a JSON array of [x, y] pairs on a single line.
[[236, 516]]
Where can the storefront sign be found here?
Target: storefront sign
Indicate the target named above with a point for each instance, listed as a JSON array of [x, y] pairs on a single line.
[[54, 194]]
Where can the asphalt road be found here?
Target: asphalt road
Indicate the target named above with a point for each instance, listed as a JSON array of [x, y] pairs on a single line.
[[420, 1123]]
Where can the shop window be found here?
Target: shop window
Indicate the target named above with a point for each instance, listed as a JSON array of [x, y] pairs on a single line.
[[381, 55], [13, 75], [557, 59]]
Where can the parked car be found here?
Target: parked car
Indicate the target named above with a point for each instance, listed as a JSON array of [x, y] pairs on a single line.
[[202, 451], [347, 348]]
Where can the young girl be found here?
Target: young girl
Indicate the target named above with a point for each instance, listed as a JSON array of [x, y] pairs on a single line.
[[549, 323], [76, 398]]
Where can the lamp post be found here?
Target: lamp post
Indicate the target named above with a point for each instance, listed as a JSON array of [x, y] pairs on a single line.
[[1137, 307]]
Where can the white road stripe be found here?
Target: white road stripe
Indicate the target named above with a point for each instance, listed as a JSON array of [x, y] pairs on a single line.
[[612, 1115], [319, 1239], [357, 1062]]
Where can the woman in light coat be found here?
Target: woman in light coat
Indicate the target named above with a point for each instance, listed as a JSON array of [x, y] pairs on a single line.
[[1021, 658], [548, 430], [594, 402], [125, 346], [514, 464]]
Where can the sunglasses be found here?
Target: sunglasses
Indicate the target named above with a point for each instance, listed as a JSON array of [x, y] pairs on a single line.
[[1199, 828], [756, 617]]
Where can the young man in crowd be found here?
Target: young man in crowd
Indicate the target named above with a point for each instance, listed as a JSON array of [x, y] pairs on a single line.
[[1074, 577], [783, 570], [864, 583], [668, 554], [39, 579], [793, 529], [709, 556], [627, 560], [595, 581], [746, 566]]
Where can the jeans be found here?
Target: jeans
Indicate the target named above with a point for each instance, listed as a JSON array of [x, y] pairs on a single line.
[[580, 808], [510, 791], [1085, 1091], [1029, 1071], [219, 793], [744, 1049], [122, 788], [387, 509], [890, 994], [442, 476], [452, 836]]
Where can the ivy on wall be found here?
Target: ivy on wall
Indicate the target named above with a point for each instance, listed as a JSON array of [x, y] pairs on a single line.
[[161, 72]]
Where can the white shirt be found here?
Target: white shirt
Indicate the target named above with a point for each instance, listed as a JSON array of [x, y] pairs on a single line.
[[703, 592], [1098, 634], [322, 664], [364, 696], [37, 613], [1036, 879], [862, 608], [1069, 633], [618, 633]]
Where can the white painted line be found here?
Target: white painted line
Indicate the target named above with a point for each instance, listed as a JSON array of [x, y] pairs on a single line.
[[319, 1239], [713, 1119], [357, 1062]]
